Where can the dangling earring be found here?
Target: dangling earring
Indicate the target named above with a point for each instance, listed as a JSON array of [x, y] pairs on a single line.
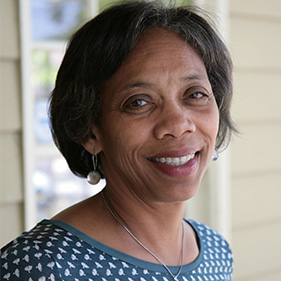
[[215, 155], [94, 176]]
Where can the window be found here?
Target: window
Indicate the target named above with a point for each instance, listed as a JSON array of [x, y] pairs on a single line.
[[46, 27]]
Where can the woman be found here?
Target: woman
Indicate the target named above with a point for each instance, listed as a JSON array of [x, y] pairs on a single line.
[[142, 98]]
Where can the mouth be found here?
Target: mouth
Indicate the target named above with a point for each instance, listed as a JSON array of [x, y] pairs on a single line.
[[174, 161]]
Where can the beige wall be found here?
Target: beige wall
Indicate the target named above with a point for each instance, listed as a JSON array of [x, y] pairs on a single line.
[[255, 42], [11, 195]]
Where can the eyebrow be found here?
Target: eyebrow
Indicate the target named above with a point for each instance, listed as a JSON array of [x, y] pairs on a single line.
[[193, 77], [139, 84]]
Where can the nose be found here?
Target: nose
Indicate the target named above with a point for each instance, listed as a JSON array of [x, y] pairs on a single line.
[[174, 121]]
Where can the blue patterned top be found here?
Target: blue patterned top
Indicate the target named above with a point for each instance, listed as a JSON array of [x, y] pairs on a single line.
[[54, 250]]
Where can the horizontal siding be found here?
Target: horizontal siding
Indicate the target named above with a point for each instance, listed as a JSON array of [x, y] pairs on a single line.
[[257, 252], [11, 169], [9, 29], [259, 8], [257, 150], [257, 96], [269, 276], [10, 106], [11, 180], [255, 44], [256, 200], [14, 213]]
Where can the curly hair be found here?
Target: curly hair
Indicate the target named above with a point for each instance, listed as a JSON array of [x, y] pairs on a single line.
[[99, 48]]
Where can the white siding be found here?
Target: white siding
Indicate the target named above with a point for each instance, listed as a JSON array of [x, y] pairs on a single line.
[[11, 195], [255, 43]]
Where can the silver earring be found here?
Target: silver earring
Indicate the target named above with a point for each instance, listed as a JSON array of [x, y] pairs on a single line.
[[94, 176], [215, 155]]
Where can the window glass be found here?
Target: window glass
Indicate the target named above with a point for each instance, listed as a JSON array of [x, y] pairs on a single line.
[[45, 65], [56, 19], [56, 187], [105, 3], [52, 24]]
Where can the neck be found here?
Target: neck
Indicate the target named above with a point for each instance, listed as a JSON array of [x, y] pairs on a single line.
[[146, 214], [147, 222], [123, 224]]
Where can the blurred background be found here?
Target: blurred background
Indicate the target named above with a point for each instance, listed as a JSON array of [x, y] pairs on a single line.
[[241, 193]]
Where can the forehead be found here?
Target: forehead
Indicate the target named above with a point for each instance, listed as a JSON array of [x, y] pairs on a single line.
[[158, 54], [160, 42]]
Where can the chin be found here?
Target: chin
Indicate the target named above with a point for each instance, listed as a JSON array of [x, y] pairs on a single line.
[[180, 194]]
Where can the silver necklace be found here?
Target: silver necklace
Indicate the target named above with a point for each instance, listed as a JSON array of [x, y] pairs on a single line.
[[119, 219]]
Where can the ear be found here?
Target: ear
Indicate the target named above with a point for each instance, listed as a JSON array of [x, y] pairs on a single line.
[[93, 144]]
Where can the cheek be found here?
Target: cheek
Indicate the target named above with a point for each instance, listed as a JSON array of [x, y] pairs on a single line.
[[212, 124], [124, 133]]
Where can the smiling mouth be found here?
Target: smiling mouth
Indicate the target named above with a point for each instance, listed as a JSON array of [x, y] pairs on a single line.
[[174, 161]]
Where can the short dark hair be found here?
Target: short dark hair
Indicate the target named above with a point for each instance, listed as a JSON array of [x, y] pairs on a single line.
[[99, 48]]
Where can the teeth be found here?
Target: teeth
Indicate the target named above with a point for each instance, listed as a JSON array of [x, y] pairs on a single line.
[[174, 161]]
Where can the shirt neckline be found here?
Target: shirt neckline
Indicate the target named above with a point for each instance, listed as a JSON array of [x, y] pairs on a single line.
[[128, 258]]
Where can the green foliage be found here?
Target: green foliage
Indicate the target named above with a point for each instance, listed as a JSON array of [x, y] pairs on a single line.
[[106, 3], [44, 72]]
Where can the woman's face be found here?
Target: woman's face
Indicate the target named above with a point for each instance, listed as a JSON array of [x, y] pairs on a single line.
[[158, 120]]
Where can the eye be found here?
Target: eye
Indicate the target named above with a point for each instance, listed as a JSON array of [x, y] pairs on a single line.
[[138, 104], [197, 96]]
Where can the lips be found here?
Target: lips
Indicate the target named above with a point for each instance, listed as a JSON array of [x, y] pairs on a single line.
[[174, 161], [175, 164]]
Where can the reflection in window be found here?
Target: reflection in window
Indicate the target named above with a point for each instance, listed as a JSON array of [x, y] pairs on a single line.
[[45, 64], [52, 23], [56, 19], [56, 187]]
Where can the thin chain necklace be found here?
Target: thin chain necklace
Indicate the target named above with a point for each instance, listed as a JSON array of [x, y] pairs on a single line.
[[119, 219]]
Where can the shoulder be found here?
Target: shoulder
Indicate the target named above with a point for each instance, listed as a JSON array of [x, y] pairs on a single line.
[[53, 250], [207, 233], [32, 254], [213, 245]]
